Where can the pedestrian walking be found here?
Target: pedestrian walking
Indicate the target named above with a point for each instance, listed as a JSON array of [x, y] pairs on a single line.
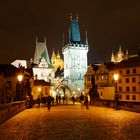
[[73, 99], [49, 99], [38, 101], [86, 101], [82, 100], [57, 99]]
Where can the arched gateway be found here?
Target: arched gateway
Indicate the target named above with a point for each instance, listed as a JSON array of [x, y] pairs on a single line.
[[63, 90]]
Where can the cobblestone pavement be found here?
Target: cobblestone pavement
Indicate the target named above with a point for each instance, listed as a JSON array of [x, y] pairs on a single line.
[[70, 122]]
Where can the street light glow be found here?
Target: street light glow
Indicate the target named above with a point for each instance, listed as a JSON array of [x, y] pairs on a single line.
[[116, 76], [20, 77]]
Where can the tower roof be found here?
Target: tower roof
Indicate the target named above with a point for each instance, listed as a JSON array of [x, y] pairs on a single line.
[[41, 51], [74, 31]]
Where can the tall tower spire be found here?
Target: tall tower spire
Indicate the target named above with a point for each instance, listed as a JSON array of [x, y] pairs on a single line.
[[45, 40], [70, 16], [63, 41], [112, 57], [77, 16], [36, 40], [120, 48], [86, 38]]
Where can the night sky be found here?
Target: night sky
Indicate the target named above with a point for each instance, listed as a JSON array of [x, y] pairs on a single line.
[[109, 23]]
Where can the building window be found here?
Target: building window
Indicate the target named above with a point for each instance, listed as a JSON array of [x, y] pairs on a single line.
[[133, 97], [102, 77], [127, 88], [120, 88], [134, 70], [127, 71], [120, 80], [127, 80], [53, 62], [88, 78], [134, 88], [133, 79], [120, 72], [127, 97], [120, 96]]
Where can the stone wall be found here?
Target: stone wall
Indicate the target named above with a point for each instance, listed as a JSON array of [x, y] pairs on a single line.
[[10, 109]]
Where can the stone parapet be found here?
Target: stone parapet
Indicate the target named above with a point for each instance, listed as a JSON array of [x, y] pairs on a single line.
[[10, 109]]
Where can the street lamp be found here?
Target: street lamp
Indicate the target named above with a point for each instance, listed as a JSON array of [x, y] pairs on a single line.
[[116, 77], [20, 78]]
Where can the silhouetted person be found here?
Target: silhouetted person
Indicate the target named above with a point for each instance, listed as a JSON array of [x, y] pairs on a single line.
[[86, 101], [38, 101], [57, 99], [49, 99], [73, 99], [82, 100]]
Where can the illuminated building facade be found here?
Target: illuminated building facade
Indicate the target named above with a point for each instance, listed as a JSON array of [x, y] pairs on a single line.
[[75, 58], [119, 56], [56, 61], [128, 84], [43, 69]]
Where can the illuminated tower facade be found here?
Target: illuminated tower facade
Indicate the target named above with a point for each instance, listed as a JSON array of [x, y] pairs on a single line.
[[43, 70], [75, 58]]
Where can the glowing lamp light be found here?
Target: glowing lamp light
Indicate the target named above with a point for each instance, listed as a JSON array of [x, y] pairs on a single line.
[[20, 77], [78, 89], [116, 76], [39, 89]]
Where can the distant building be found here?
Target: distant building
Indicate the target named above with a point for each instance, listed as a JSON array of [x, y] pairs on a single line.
[[75, 58], [56, 61], [119, 56]]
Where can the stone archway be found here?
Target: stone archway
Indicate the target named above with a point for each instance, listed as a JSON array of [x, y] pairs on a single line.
[[63, 90]]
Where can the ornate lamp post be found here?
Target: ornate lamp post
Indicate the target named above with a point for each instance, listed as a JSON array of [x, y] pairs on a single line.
[[20, 78], [116, 76]]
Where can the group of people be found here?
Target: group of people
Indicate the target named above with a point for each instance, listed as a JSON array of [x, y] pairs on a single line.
[[45, 101], [84, 101]]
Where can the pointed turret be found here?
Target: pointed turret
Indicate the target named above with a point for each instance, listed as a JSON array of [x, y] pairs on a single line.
[[36, 40], [58, 55], [120, 48], [86, 38], [45, 40], [112, 57], [53, 54], [126, 52]]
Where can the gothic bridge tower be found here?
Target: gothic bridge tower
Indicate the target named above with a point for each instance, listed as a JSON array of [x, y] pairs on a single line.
[[75, 58]]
